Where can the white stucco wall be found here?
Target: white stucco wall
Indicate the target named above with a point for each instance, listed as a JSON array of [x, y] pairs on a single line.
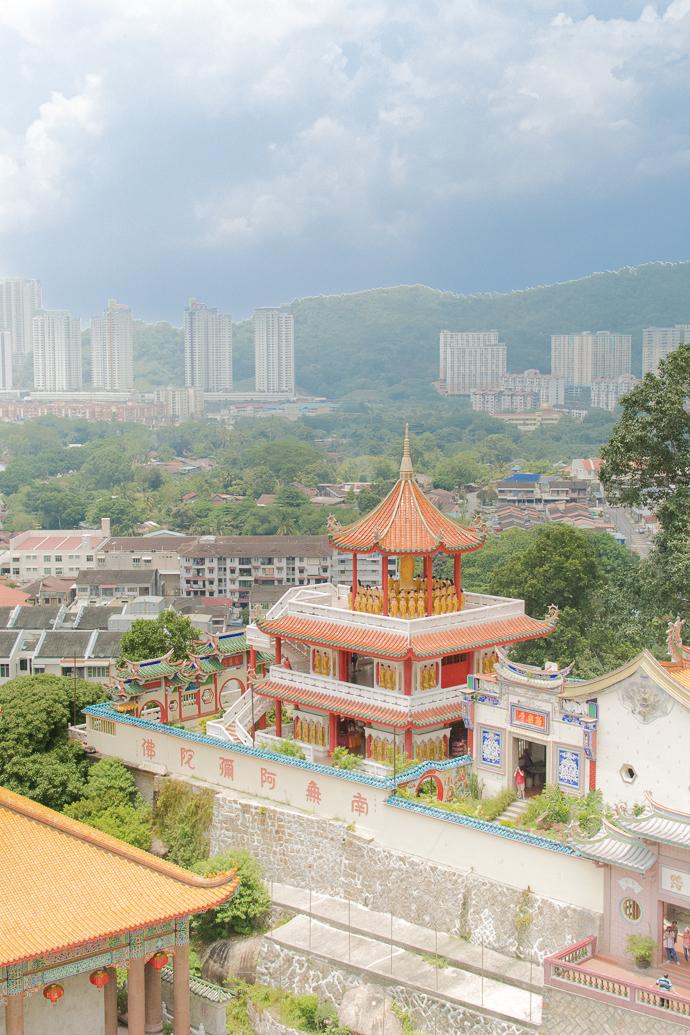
[[79, 1012], [518, 864]]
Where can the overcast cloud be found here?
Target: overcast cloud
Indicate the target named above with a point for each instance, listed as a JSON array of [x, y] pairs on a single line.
[[251, 151]]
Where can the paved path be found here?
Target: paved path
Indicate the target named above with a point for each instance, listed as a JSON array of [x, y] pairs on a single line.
[[380, 963]]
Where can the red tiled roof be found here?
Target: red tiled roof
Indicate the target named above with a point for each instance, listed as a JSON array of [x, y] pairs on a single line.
[[391, 643], [406, 522]]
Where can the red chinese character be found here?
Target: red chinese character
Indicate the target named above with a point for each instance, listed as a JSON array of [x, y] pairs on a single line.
[[313, 792], [360, 805], [269, 779], [148, 748], [186, 756], [227, 768]]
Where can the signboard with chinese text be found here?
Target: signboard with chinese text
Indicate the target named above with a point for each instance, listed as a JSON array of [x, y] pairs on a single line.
[[529, 719], [675, 882]]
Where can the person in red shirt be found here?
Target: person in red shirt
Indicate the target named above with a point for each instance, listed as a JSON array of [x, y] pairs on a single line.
[[520, 782]]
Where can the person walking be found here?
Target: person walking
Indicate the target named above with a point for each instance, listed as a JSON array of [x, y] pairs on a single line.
[[686, 942], [665, 985], [670, 943], [520, 782]]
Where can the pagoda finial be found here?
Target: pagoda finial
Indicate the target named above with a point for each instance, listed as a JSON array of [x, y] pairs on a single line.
[[406, 462]]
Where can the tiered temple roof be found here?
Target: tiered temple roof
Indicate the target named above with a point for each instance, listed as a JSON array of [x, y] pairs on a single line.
[[98, 887], [407, 523]]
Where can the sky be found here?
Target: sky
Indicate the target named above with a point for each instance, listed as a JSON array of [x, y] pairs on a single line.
[[247, 152]]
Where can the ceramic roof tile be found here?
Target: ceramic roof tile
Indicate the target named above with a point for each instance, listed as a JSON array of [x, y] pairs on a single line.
[[406, 522], [125, 888], [455, 638]]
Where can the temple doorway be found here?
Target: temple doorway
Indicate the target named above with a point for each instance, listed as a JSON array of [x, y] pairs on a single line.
[[682, 919], [530, 755], [351, 736], [361, 670], [457, 745]]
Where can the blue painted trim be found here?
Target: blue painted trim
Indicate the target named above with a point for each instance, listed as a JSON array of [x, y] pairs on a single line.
[[482, 824], [106, 711]]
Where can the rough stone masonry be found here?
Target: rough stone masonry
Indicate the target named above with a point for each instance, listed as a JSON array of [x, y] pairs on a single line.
[[311, 852]]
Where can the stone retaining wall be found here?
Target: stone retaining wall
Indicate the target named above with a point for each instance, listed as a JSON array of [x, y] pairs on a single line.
[[285, 968], [566, 1014], [310, 851]]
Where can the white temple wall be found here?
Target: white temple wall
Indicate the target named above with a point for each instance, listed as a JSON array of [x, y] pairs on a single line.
[[79, 1011]]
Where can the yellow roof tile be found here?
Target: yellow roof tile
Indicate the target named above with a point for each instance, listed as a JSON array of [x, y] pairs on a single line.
[[63, 883]]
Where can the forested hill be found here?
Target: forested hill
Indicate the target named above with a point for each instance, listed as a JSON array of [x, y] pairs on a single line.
[[387, 340]]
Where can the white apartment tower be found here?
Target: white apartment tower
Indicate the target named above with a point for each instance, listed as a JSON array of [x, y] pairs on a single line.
[[471, 360], [18, 300], [582, 358], [657, 342], [207, 348], [274, 349], [5, 361], [112, 367], [57, 350], [551, 387]]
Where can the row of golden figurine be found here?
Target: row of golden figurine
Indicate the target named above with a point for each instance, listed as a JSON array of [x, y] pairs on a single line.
[[322, 663], [380, 749], [408, 603], [427, 677], [309, 732]]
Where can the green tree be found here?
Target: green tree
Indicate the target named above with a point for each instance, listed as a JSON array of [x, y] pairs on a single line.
[[37, 758], [247, 909], [106, 468], [647, 459], [367, 499], [124, 515], [152, 639], [111, 803], [55, 507], [458, 470], [291, 496]]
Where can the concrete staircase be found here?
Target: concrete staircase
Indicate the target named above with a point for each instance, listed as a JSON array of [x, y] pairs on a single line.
[[387, 951], [513, 811]]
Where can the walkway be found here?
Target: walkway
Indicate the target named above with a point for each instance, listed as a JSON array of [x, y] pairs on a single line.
[[390, 950]]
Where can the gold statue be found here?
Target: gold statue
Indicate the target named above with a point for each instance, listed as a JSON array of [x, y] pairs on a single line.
[[326, 664], [317, 662]]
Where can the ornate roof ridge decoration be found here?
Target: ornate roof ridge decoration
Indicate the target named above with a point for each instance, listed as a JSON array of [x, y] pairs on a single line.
[[406, 523], [677, 651], [616, 847], [657, 823], [532, 675], [40, 814]]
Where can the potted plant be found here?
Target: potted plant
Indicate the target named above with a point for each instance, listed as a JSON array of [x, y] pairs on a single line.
[[641, 948]]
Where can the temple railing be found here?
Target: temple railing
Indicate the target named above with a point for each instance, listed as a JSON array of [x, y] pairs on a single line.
[[564, 971]]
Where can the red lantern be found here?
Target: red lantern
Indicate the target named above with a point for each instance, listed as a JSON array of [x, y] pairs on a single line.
[[159, 960], [99, 978], [53, 992]]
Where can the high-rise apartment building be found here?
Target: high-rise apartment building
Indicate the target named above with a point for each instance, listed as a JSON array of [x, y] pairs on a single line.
[[112, 367], [18, 300], [551, 387], [274, 349], [657, 342], [582, 358], [471, 360], [57, 350], [606, 392], [5, 361], [207, 348]]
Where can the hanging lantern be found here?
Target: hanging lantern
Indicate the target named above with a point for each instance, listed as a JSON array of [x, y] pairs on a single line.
[[99, 978], [53, 992], [159, 960]]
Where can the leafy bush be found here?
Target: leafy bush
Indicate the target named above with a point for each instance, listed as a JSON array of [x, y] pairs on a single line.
[[291, 748], [182, 819], [246, 910], [640, 947], [112, 804], [589, 812], [110, 774], [553, 806], [342, 759]]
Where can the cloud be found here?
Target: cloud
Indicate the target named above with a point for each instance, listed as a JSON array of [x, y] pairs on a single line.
[[34, 167]]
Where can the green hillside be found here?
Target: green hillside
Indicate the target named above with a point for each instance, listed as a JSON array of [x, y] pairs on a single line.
[[386, 340]]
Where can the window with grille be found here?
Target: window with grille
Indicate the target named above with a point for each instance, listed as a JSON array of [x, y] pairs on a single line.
[[631, 910], [99, 725]]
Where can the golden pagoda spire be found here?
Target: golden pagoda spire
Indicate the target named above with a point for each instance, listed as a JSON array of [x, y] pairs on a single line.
[[406, 462]]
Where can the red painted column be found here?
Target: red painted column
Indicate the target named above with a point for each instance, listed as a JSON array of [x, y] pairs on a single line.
[[408, 743], [262, 722], [279, 718], [429, 563], [592, 775], [470, 742], [457, 575], [332, 732], [342, 666], [408, 676], [279, 656], [384, 581], [354, 579]]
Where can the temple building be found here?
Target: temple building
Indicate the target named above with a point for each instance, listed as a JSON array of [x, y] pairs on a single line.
[[387, 668], [76, 905]]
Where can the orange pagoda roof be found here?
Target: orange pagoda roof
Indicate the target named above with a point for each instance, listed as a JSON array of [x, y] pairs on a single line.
[[406, 523], [63, 883], [393, 643]]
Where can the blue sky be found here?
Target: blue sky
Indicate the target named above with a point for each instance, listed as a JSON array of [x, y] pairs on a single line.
[[253, 151]]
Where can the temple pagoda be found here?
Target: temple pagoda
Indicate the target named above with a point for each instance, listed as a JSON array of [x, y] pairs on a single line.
[[386, 668]]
